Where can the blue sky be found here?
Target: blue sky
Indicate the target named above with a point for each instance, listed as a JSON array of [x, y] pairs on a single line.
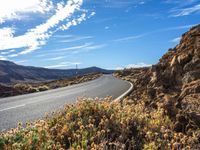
[[105, 33]]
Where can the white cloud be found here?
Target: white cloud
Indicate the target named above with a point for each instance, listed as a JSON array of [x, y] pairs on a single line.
[[180, 2], [3, 58], [138, 65], [12, 55], [178, 27], [176, 40], [93, 47], [56, 58], [118, 68], [107, 27], [74, 38], [36, 37], [20, 62], [116, 3], [7, 52], [74, 22], [72, 50], [129, 38], [75, 47], [15, 9], [63, 65], [92, 14], [81, 48], [63, 36], [186, 11]]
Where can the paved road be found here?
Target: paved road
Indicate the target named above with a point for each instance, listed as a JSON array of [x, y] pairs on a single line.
[[33, 106]]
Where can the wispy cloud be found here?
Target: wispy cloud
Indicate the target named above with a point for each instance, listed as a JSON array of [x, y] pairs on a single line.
[[81, 48], [180, 2], [36, 37], [93, 47], [129, 38], [7, 52], [74, 47], [63, 65], [75, 39], [20, 62], [107, 27], [3, 58], [116, 3], [176, 40], [178, 27], [185, 11], [56, 58], [62, 36], [87, 47]]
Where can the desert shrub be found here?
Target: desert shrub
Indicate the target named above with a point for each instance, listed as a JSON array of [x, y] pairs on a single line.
[[43, 88], [95, 124]]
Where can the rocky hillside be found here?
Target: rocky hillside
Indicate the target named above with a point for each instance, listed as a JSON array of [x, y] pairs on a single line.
[[173, 84], [13, 73]]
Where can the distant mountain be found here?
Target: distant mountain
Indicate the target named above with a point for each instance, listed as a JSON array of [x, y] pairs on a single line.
[[13, 73]]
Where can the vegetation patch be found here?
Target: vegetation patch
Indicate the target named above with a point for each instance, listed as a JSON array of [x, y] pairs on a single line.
[[100, 124]]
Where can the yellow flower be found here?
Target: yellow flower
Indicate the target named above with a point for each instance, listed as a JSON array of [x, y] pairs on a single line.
[[166, 136], [81, 127], [98, 133], [91, 125], [69, 138], [68, 115], [79, 123], [64, 129], [103, 131], [112, 116], [93, 145], [78, 147], [92, 138], [79, 114]]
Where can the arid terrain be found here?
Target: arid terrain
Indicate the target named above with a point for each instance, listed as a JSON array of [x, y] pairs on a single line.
[[161, 113], [26, 88]]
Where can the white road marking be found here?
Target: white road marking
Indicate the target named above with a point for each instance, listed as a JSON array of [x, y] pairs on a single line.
[[125, 93], [14, 107]]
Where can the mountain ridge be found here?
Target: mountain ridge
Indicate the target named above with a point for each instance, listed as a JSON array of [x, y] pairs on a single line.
[[14, 73]]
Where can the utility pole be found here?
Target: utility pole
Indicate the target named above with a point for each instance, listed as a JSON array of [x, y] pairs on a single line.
[[76, 71]]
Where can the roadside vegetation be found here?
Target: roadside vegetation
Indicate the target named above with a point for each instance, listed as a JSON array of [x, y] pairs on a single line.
[[100, 124]]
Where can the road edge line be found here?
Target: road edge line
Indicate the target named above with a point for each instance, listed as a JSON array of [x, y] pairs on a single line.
[[125, 93], [14, 107]]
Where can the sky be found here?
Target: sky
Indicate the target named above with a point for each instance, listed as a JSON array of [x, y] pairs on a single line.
[[111, 34]]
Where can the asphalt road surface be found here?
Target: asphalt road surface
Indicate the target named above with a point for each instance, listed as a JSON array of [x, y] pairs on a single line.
[[34, 106]]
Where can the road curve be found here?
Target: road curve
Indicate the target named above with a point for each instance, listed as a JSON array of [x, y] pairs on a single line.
[[33, 106]]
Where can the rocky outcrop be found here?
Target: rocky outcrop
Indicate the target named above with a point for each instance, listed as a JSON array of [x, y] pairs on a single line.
[[173, 83]]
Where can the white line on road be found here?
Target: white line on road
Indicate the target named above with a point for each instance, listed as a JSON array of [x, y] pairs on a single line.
[[12, 107], [126, 93]]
